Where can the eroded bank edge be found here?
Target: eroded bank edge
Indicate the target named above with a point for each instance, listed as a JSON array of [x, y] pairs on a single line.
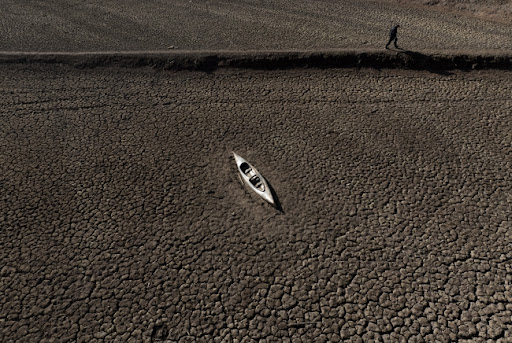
[[210, 61]]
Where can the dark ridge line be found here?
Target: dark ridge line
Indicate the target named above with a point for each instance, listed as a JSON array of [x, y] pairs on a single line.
[[268, 60]]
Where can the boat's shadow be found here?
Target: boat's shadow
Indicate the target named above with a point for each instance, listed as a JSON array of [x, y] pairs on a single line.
[[277, 203]]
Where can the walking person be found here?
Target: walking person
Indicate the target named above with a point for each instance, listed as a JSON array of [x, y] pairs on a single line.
[[393, 36]]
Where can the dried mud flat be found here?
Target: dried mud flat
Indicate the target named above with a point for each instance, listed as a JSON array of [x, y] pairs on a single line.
[[122, 219], [495, 10], [107, 25]]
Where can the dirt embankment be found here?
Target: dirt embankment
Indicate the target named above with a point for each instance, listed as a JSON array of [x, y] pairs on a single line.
[[210, 61]]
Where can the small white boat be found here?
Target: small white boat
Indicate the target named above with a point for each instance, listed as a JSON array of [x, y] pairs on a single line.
[[253, 179]]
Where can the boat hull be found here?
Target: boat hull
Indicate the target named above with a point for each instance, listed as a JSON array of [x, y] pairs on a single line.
[[253, 179]]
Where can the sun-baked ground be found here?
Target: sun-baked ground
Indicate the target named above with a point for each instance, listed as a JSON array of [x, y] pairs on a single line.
[[123, 220], [63, 25], [495, 10]]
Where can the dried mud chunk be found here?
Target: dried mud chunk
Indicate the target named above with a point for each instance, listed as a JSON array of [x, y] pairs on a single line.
[[467, 330], [159, 333]]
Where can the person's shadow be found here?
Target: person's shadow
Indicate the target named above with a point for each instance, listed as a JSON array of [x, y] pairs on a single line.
[[425, 62]]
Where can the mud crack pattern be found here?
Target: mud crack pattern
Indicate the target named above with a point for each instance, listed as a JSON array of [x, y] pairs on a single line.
[[122, 218]]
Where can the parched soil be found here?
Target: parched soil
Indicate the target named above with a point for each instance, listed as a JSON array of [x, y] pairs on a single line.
[[110, 25], [122, 218], [496, 10]]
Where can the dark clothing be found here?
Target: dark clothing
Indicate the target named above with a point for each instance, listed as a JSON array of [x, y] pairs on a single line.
[[394, 31], [391, 39], [393, 36]]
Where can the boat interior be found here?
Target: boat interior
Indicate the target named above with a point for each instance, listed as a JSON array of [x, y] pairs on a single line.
[[246, 169], [253, 178], [256, 182]]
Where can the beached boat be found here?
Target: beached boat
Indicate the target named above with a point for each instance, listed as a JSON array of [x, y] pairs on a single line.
[[250, 176]]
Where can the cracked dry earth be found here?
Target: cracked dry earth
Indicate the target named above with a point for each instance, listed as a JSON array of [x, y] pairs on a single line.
[[122, 218], [106, 25]]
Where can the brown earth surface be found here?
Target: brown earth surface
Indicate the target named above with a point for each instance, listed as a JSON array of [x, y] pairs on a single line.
[[496, 10], [111, 25], [122, 218]]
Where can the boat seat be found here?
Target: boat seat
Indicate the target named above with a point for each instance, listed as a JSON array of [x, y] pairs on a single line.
[[256, 182], [245, 168]]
